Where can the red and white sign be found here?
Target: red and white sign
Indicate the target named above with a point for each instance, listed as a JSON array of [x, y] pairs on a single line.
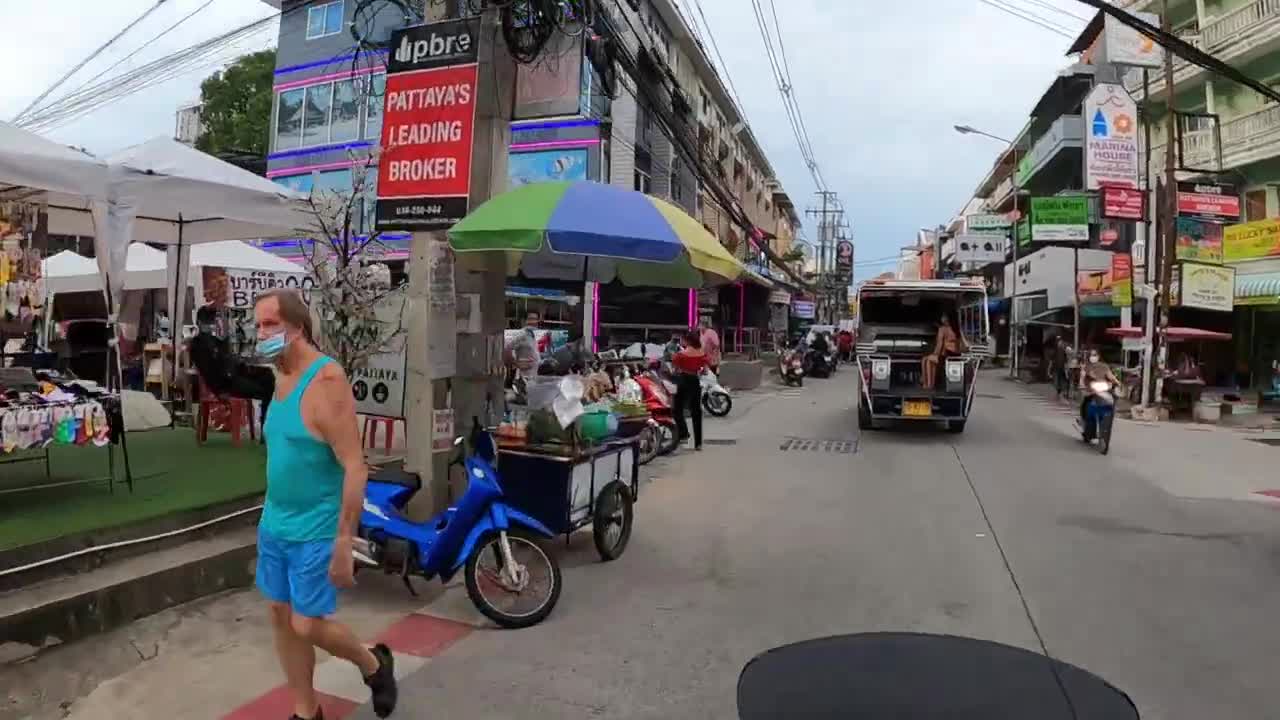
[[428, 120], [1210, 201], [1123, 203], [1121, 267]]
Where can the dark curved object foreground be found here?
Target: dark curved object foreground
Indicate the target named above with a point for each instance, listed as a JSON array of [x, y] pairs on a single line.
[[901, 676]]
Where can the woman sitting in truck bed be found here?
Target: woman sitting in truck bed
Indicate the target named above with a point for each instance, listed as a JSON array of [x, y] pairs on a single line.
[[948, 344]]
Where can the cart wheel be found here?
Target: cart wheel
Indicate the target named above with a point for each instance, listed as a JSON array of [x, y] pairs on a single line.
[[614, 515]]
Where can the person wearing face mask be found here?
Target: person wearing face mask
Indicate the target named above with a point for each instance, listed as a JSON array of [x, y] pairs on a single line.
[[316, 476], [1095, 369], [522, 352], [222, 371]]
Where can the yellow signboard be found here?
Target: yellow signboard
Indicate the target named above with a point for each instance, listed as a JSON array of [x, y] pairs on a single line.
[[1251, 240]]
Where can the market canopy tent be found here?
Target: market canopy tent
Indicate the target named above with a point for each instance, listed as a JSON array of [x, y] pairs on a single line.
[[239, 255], [65, 272], [30, 164], [192, 197]]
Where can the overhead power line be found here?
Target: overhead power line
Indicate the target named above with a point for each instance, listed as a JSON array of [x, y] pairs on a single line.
[[1183, 49], [76, 68], [1029, 17], [1054, 8]]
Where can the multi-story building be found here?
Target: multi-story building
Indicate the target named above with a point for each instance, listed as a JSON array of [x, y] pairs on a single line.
[[1246, 35], [187, 123]]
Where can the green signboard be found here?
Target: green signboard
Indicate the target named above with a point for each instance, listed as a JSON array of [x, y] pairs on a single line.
[[1060, 219], [1024, 233]]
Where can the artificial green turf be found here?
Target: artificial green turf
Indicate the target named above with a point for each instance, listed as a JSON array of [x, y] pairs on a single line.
[[189, 476]]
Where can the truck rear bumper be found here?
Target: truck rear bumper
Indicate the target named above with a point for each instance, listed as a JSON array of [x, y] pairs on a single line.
[[890, 406]]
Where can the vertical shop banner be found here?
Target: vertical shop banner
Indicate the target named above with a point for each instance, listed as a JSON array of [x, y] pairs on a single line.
[[844, 259], [1208, 287], [1210, 201], [1121, 279], [1251, 240], [1111, 137], [1199, 241], [1122, 203], [428, 119]]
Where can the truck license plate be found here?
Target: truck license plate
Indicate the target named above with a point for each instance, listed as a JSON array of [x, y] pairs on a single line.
[[917, 408]]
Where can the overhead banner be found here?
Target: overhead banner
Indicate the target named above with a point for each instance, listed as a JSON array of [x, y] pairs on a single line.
[[1199, 241], [1111, 137], [1208, 287], [1125, 45], [1122, 203], [428, 118], [1252, 240], [1060, 219], [1212, 201]]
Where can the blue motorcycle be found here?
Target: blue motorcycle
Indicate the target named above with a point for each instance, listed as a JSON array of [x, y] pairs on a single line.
[[509, 577], [1099, 414]]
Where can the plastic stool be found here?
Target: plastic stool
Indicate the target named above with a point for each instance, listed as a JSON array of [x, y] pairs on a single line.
[[369, 436]]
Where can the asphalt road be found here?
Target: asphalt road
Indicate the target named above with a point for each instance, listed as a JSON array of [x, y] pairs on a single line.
[[1012, 532]]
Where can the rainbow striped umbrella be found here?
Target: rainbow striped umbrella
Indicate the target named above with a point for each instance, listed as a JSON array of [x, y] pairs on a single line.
[[592, 231]]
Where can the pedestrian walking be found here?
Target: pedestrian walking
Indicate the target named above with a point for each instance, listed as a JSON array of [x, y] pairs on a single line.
[[316, 477], [689, 363]]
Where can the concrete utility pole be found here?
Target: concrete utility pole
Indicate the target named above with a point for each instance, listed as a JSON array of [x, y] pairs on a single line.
[[826, 228], [1169, 237], [475, 390]]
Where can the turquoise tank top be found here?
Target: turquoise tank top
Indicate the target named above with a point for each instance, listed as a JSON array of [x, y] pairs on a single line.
[[304, 479]]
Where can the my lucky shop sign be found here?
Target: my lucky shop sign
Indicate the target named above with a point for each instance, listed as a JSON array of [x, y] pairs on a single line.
[[424, 173]]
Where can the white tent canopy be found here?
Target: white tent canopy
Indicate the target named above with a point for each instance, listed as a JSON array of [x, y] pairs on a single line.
[[238, 255], [147, 268], [30, 163], [67, 271]]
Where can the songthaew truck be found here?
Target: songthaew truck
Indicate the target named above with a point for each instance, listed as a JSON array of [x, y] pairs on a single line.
[[901, 338]]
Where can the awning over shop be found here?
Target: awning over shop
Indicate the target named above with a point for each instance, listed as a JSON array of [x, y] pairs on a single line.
[[1261, 289], [1175, 334]]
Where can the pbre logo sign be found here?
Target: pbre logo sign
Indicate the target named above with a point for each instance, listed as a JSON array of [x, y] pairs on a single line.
[[435, 45]]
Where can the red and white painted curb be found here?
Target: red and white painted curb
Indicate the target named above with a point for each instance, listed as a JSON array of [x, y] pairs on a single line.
[[414, 640]]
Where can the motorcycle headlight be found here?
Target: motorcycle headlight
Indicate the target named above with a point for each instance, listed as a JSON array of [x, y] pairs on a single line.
[[1100, 386], [880, 369]]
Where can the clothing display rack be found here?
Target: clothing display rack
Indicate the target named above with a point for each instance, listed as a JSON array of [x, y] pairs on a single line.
[[113, 410]]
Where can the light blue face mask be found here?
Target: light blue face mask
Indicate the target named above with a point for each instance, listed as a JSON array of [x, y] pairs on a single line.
[[271, 347]]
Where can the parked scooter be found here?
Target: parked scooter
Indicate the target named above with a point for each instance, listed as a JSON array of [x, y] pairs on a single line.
[[791, 367], [508, 576], [1099, 414], [715, 398], [658, 395]]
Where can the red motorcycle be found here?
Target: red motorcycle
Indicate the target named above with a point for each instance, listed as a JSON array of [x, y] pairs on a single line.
[[658, 395]]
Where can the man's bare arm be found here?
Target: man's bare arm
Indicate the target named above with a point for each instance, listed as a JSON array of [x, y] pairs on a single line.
[[336, 421]]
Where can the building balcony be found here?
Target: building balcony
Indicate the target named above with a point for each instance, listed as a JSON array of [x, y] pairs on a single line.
[[1245, 139], [1235, 38]]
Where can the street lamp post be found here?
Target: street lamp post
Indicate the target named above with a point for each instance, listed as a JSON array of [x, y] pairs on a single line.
[[1013, 239]]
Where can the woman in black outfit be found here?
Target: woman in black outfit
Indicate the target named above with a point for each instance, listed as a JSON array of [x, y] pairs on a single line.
[[689, 364]]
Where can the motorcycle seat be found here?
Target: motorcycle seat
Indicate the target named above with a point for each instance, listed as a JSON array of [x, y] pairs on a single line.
[[397, 476]]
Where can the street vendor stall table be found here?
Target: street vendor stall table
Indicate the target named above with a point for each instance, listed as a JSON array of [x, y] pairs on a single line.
[[567, 488]]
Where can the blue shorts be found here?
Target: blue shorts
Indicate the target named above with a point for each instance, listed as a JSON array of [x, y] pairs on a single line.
[[297, 573]]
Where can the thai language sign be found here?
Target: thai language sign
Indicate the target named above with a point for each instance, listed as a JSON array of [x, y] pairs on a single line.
[[424, 173], [1060, 219], [1208, 287]]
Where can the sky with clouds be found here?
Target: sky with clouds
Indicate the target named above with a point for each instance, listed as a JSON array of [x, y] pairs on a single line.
[[880, 84]]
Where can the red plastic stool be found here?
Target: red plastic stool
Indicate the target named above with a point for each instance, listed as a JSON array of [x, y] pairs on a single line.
[[238, 413], [369, 436]]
